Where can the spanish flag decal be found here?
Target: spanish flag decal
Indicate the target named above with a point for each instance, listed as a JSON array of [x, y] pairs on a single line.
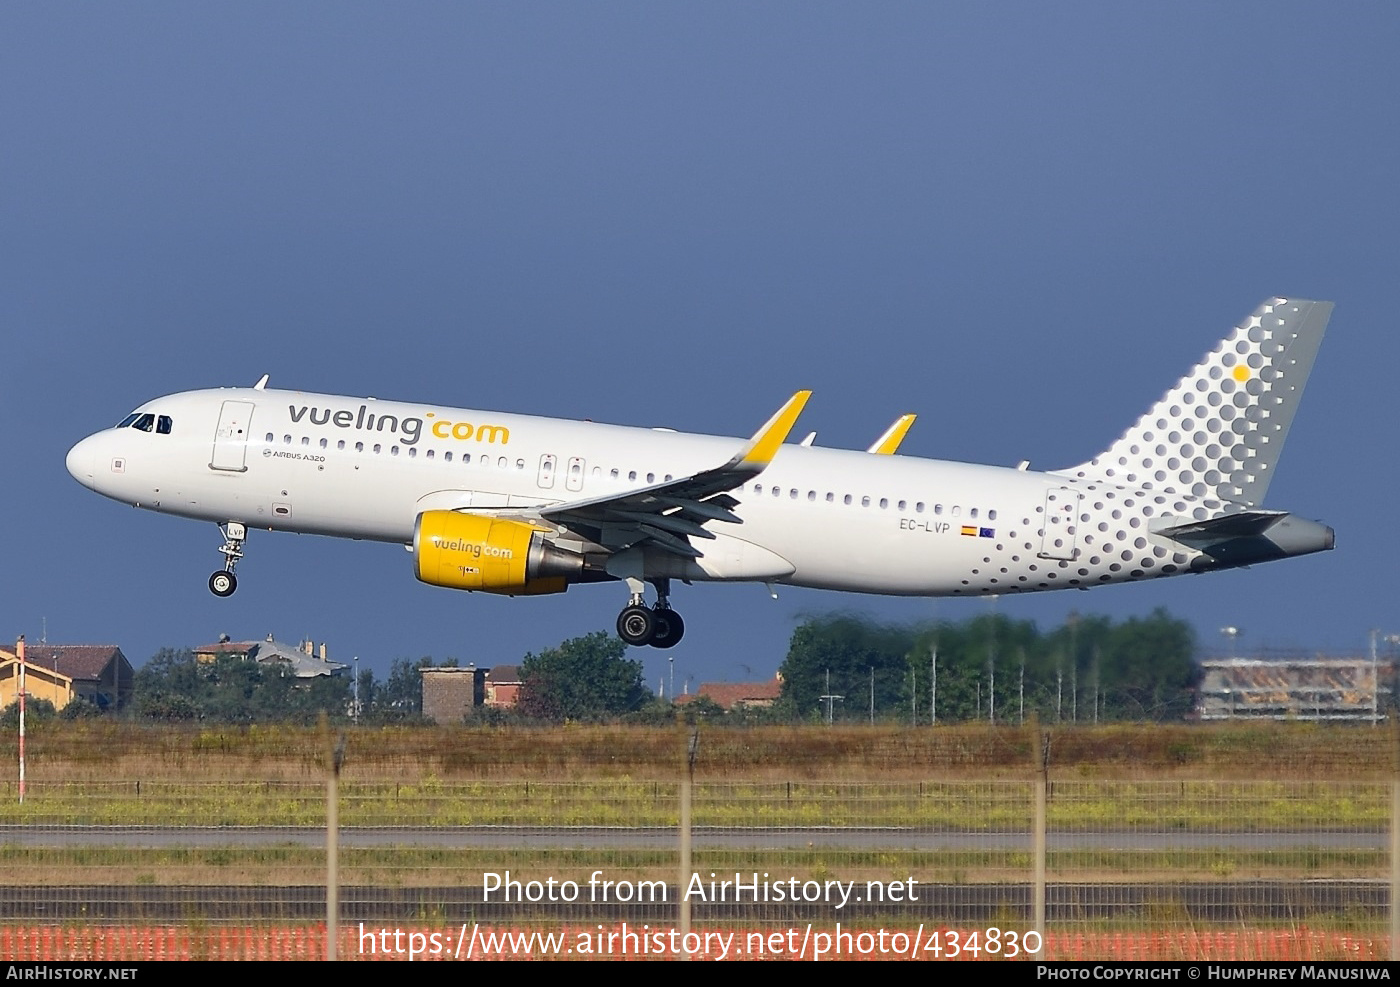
[[969, 530]]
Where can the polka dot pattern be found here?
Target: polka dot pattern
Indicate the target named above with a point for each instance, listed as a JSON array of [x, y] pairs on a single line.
[[1219, 432], [1207, 449]]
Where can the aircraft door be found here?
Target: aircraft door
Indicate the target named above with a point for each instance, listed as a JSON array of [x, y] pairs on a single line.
[[546, 475], [1059, 538], [231, 437]]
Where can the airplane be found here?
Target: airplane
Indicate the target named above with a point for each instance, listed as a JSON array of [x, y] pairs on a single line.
[[527, 506]]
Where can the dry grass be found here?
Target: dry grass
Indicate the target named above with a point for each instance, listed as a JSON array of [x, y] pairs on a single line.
[[61, 751]]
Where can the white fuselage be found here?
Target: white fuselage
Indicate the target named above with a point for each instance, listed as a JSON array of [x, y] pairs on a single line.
[[826, 518]]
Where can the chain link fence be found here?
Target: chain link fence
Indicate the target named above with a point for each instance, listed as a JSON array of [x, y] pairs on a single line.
[[801, 868]]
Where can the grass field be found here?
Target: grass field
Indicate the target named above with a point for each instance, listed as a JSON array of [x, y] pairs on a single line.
[[103, 750], [1285, 778]]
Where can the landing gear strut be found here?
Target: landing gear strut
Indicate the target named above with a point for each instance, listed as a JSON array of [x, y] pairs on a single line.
[[658, 626], [224, 582]]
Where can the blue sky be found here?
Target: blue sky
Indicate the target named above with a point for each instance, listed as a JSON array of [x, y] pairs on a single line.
[[1022, 221]]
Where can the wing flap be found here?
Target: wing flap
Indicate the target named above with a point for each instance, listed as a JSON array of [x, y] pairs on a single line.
[[667, 513]]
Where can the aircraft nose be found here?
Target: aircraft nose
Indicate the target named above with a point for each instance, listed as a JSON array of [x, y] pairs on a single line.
[[82, 460]]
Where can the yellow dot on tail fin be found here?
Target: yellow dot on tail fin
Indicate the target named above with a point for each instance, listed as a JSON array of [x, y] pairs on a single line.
[[1241, 373]]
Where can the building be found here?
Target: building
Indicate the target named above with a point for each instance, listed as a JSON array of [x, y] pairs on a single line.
[[450, 695], [503, 686], [301, 661], [59, 673], [731, 695], [1356, 689]]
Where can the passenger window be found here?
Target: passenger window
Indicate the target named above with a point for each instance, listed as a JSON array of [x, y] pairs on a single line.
[[847, 500], [324, 443], [651, 477], [631, 474], [393, 450], [919, 507], [163, 424], [306, 440], [269, 438], [865, 502], [359, 447], [884, 503], [340, 444], [938, 508], [973, 512], [903, 504], [830, 497], [286, 440], [377, 448]]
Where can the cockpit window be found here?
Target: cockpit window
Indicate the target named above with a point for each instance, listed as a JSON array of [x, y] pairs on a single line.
[[147, 422]]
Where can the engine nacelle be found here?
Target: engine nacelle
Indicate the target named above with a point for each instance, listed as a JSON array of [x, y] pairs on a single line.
[[473, 552]]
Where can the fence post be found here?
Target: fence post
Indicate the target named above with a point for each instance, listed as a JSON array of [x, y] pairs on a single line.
[[687, 780], [1395, 841], [1041, 745]]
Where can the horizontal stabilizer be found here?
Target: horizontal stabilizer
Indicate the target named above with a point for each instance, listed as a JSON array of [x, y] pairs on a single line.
[[1249, 537], [1242, 525]]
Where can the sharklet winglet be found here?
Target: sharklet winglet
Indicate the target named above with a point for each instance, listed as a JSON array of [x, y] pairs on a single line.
[[888, 443]]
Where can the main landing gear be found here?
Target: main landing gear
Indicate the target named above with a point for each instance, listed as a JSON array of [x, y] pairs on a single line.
[[224, 582], [658, 626]]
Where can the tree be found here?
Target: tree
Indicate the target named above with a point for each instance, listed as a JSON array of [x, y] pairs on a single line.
[[174, 685], [401, 697], [36, 710], [849, 648], [584, 678]]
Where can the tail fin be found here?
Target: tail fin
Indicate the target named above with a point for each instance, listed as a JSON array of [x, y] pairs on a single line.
[[1219, 432]]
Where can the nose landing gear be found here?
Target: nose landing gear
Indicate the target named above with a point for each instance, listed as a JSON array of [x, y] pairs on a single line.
[[224, 582], [658, 626]]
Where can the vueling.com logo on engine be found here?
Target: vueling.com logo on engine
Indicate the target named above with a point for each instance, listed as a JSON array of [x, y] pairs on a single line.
[[409, 429], [474, 549]]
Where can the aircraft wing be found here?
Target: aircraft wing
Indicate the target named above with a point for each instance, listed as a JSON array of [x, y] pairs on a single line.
[[665, 514]]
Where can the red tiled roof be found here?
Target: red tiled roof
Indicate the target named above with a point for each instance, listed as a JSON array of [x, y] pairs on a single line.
[[77, 661], [731, 694], [226, 647]]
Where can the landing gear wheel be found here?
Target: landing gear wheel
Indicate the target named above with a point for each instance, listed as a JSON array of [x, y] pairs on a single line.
[[636, 625], [223, 583], [669, 629]]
